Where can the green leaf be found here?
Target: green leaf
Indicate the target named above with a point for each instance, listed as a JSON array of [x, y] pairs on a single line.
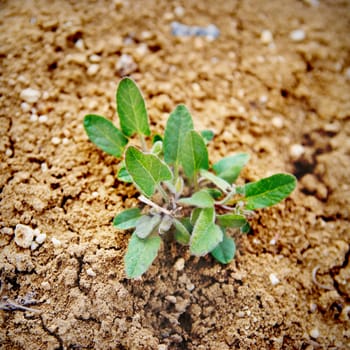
[[146, 225], [214, 192], [105, 135], [194, 215], [206, 235], [194, 154], [140, 254], [219, 182], [157, 148], [178, 124], [201, 199], [268, 191], [245, 228], [127, 219], [166, 223], [146, 170], [123, 174], [231, 220], [131, 109], [225, 251], [228, 168], [207, 135], [182, 234]]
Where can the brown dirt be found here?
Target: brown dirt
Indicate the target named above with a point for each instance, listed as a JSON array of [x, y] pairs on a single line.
[[259, 98]]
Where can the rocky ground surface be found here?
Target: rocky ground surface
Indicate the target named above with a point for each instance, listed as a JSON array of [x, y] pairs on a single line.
[[275, 83]]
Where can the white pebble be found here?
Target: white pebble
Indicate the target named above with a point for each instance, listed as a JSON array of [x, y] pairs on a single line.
[[80, 44], [90, 272], [180, 264], [145, 35], [23, 236], [273, 241], [25, 107], [43, 119], [263, 99], [45, 285], [93, 69], [171, 298], [274, 279], [7, 231], [314, 333], [46, 95], [266, 37], [313, 307], [277, 122], [30, 95], [65, 141], [314, 3], [56, 140], [40, 239], [9, 152], [34, 245], [56, 242], [94, 194], [33, 118], [179, 11], [95, 58], [347, 73], [297, 35], [296, 150], [44, 167]]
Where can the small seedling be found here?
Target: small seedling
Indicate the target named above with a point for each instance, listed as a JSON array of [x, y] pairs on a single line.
[[181, 193]]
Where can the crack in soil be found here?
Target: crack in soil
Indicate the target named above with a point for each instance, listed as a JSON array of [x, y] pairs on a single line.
[[53, 334]]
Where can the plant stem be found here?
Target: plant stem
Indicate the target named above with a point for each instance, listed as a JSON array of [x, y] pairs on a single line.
[[154, 205], [195, 182], [163, 193], [143, 142]]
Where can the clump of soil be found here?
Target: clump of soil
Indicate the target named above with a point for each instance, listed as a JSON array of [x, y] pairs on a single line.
[[275, 84]]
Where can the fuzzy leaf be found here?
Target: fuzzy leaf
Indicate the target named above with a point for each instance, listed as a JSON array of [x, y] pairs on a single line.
[[228, 168], [268, 191], [216, 180], [207, 135], [123, 174], [166, 223], [131, 109], [146, 225], [178, 124], [105, 135], [201, 199], [194, 154], [194, 215], [206, 235], [127, 219], [140, 254], [146, 170], [245, 228], [182, 234], [225, 251], [231, 220]]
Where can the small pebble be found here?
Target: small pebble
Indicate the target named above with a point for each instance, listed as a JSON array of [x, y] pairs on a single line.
[[23, 236], [90, 272], [313, 307], [179, 11], [56, 140], [7, 231], [25, 107], [94, 58], [65, 141], [34, 245], [180, 264], [80, 44], [43, 119], [274, 279], [40, 238], [314, 333], [9, 152], [93, 69], [44, 167], [263, 99], [125, 65], [45, 285], [171, 299], [94, 194], [273, 241], [347, 73], [297, 35], [33, 118], [56, 242], [30, 95], [296, 150], [277, 122], [266, 37]]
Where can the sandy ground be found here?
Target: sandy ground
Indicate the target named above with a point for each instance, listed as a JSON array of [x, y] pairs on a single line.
[[275, 84]]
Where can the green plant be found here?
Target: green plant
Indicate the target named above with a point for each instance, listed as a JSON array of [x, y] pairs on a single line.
[[181, 193]]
